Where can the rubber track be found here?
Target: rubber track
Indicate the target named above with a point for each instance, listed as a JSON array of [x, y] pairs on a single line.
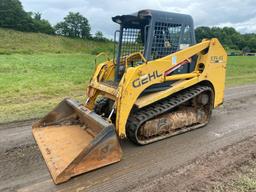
[[139, 117]]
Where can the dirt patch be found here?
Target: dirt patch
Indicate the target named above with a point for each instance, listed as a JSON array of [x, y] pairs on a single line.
[[171, 168], [15, 124], [224, 170], [239, 104], [22, 160]]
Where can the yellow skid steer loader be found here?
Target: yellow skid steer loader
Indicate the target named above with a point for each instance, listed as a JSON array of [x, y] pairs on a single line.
[[160, 83]]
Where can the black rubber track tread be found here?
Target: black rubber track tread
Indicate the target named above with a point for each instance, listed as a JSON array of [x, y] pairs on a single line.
[[139, 117]]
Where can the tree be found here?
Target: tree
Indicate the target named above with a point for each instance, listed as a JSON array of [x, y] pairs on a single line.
[[41, 25], [37, 16], [61, 28], [13, 16], [229, 37], [202, 33], [99, 36], [246, 50], [74, 25]]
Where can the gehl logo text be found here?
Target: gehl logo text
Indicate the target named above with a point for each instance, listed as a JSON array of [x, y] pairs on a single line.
[[145, 79]]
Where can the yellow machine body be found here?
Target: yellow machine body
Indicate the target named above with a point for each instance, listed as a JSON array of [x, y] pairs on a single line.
[[126, 95], [74, 138]]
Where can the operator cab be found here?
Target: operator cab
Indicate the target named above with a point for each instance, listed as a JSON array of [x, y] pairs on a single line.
[[154, 34]]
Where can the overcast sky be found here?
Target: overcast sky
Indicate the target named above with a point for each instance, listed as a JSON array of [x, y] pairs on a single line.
[[240, 14]]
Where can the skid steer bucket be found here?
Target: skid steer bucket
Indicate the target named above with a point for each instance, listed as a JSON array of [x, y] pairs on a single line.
[[75, 140]]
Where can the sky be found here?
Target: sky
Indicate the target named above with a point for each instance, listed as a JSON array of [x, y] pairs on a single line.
[[240, 14]]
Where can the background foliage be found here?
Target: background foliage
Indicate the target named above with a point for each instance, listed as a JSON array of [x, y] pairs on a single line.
[[13, 16], [229, 37], [75, 25]]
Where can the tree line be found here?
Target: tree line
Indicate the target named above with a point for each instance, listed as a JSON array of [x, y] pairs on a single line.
[[13, 16], [75, 25], [229, 37]]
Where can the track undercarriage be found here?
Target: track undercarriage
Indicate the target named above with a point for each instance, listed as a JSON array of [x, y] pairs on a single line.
[[187, 110]]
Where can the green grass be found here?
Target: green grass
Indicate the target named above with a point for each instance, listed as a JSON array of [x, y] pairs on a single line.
[[244, 181], [241, 70], [31, 85], [37, 71], [30, 43]]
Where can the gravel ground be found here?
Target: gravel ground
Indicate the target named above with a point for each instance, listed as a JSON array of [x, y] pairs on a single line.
[[195, 161]]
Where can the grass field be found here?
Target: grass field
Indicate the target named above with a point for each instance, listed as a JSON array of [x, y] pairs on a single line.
[[31, 43], [37, 71], [241, 70], [33, 84]]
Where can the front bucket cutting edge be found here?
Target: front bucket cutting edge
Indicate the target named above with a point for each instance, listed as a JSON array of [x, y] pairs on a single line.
[[74, 140]]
